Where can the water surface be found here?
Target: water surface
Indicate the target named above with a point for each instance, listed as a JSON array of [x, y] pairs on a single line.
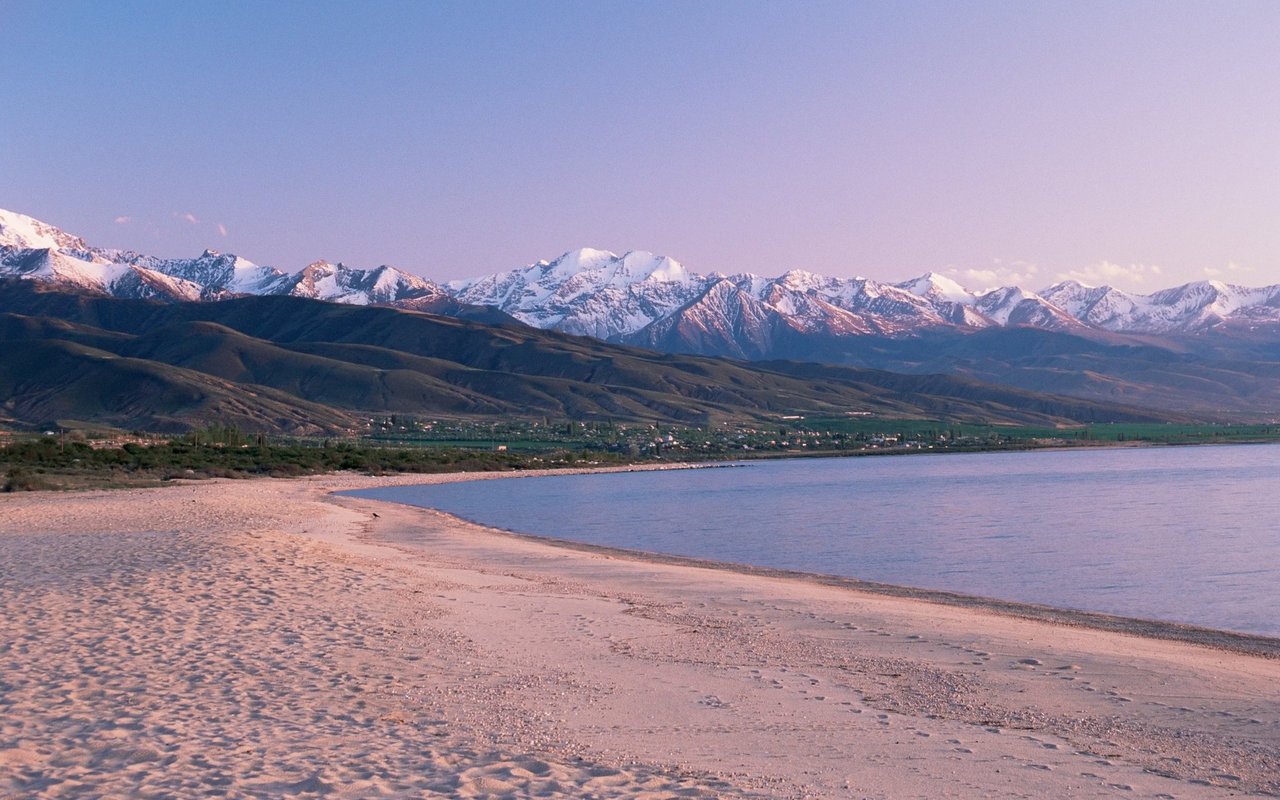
[[1185, 534]]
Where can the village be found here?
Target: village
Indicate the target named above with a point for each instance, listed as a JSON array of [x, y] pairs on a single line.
[[790, 436]]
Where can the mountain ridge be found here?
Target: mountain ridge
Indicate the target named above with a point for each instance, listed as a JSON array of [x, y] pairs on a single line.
[[617, 297], [1208, 349], [302, 365]]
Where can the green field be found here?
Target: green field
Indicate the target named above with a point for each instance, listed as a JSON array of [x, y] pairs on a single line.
[[1161, 433], [70, 460], [52, 462]]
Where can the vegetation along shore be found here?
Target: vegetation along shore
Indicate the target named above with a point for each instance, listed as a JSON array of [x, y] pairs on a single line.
[[62, 459]]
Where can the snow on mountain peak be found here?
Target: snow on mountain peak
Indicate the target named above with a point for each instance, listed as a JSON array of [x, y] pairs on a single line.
[[605, 268], [27, 233], [1013, 305], [1070, 285], [574, 262], [648, 267], [588, 291], [610, 296], [933, 286], [800, 280], [232, 260]]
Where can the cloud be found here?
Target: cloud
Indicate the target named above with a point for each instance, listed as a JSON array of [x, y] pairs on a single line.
[[1232, 268], [1109, 273], [186, 216], [222, 230], [1000, 273], [123, 220]]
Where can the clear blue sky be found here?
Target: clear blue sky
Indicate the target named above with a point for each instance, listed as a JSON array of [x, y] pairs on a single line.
[[998, 141]]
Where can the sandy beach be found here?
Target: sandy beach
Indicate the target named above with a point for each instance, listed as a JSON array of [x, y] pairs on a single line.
[[267, 639]]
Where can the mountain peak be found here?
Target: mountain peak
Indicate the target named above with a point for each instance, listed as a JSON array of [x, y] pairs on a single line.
[[933, 285], [799, 279], [599, 293], [1071, 284], [573, 262], [646, 266], [29, 233], [607, 268]]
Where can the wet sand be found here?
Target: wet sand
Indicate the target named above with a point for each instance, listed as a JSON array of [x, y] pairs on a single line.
[[264, 638]]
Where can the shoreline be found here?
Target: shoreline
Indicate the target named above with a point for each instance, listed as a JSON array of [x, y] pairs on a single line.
[[951, 451], [1235, 641], [92, 480], [1128, 636], [267, 638], [1232, 641]]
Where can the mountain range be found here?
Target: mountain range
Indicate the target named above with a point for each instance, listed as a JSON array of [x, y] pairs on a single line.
[[642, 298], [1205, 348], [306, 366]]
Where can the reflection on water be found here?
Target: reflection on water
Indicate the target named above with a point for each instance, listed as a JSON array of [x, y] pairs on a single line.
[[1190, 534]]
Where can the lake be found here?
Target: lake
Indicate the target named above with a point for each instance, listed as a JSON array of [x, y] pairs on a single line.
[[1184, 534]]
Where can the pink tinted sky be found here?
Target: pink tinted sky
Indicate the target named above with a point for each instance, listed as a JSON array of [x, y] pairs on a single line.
[[1132, 143]]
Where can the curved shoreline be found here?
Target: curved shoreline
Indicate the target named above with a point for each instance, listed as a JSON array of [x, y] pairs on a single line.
[[269, 638], [1232, 641]]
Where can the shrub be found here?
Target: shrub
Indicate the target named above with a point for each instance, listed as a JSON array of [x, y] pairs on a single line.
[[21, 480]]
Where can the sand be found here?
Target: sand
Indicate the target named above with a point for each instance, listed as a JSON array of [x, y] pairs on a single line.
[[266, 639]]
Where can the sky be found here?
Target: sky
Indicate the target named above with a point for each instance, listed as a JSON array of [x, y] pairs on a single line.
[[1135, 144]]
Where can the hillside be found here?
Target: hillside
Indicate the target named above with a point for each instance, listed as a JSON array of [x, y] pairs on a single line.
[[1205, 349], [294, 364]]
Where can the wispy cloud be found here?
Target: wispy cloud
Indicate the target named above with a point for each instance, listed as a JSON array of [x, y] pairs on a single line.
[[1108, 273], [222, 230], [1232, 269], [1000, 273], [123, 220]]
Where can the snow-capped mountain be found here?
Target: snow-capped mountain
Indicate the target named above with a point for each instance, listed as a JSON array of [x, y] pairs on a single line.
[[1183, 309], [643, 299], [590, 292], [26, 233], [36, 250], [339, 283], [219, 274], [650, 300]]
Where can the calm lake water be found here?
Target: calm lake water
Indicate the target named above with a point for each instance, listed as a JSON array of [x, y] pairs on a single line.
[[1188, 534]]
